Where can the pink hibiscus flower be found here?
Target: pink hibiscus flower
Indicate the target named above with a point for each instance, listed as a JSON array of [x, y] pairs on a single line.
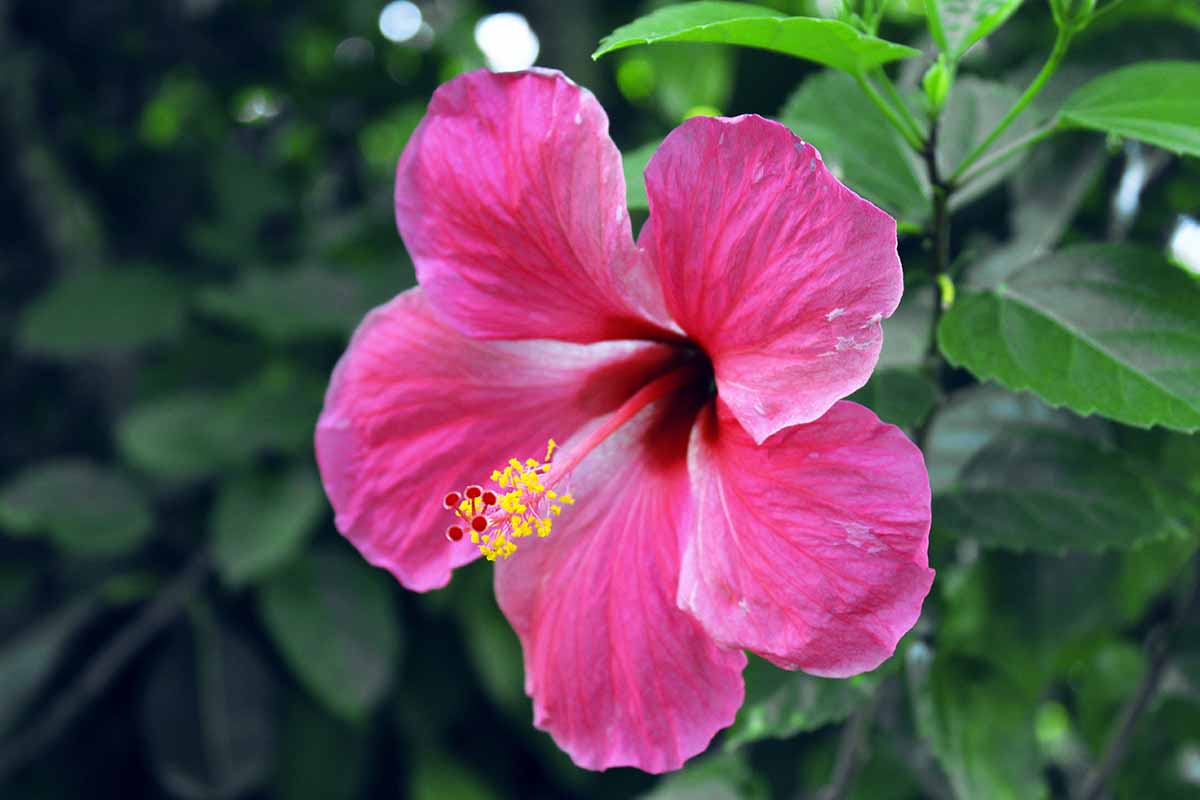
[[712, 495]]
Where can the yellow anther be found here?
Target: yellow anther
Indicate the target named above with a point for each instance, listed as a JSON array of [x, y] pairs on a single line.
[[518, 512]]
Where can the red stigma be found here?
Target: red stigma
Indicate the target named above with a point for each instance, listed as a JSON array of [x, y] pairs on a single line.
[[451, 500], [479, 524], [489, 498], [473, 492], [454, 533]]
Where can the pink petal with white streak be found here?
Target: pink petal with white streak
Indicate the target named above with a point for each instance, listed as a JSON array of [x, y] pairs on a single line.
[[779, 271], [415, 410], [811, 549]]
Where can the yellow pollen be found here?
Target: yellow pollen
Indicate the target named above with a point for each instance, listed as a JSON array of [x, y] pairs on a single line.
[[517, 512]]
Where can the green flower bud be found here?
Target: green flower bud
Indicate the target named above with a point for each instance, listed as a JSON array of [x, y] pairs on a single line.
[[1073, 15], [936, 83]]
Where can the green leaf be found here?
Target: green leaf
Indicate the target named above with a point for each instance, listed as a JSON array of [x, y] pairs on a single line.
[[971, 114], [1131, 12], [981, 729], [907, 332], [634, 164], [1149, 572], [286, 306], [382, 140], [781, 704], [430, 702], [1162, 758], [190, 435], [689, 78], [331, 616], [209, 715], [1051, 491], [87, 509], [1026, 613], [28, 659], [262, 521], [978, 415], [825, 41], [492, 646], [1154, 102], [437, 777], [275, 410], [18, 587], [858, 144], [957, 24], [172, 438], [312, 741], [715, 777], [1047, 193], [899, 396], [1110, 329], [97, 312]]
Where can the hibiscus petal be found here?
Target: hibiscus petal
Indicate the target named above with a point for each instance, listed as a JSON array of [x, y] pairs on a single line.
[[511, 199], [618, 675], [415, 410], [809, 550], [779, 271]]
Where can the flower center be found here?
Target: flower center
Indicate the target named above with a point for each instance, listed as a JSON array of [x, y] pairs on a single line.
[[518, 503], [520, 506]]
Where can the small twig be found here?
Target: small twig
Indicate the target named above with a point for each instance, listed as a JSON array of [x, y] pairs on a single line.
[[1120, 739], [851, 751], [890, 89], [924, 768], [1061, 42], [105, 667], [912, 137], [941, 236], [997, 157], [1158, 650]]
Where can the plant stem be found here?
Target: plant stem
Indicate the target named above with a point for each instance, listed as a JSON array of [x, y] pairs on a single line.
[[1119, 740], [1098, 13], [1158, 649], [890, 89], [851, 746], [996, 158], [105, 666], [941, 239], [1061, 41], [896, 122]]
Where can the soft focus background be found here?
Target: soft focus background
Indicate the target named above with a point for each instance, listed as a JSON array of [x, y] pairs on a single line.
[[198, 212]]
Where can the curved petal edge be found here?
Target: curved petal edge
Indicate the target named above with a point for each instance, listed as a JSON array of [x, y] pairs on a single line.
[[779, 271], [810, 550], [414, 410], [510, 197]]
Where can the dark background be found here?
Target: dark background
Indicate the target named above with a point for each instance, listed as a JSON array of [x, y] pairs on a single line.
[[197, 213]]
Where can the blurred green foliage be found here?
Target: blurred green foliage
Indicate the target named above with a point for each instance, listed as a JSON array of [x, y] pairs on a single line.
[[202, 213]]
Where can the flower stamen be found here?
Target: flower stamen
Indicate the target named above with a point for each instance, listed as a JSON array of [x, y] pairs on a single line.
[[521, 506]]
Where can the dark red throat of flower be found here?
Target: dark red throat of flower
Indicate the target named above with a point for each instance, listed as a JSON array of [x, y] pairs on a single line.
[[521, 504]]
